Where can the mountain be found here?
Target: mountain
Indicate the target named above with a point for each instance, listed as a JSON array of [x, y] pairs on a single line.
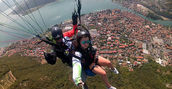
[[29, 74], [156, 9], [160, 7]]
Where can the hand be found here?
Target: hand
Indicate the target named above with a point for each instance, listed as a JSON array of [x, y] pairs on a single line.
[[74, 18], [81, 84]]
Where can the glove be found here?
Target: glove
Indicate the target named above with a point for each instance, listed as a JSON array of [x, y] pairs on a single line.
[[83, 85], [74, 18], [50, 58]]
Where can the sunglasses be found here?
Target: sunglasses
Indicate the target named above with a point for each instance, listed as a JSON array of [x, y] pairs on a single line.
[[84, 42]]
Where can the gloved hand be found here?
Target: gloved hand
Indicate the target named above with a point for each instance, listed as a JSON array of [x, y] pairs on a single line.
[[74, 18], [50, 58], [83, 85]]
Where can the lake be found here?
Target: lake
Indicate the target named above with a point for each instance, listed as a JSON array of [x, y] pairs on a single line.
[[57, 12]]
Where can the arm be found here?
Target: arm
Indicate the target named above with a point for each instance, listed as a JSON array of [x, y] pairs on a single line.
[[77, 69], [74, 22], [48, 41], [71, 32]]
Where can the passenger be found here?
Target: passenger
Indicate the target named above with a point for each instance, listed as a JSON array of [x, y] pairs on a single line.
[[89, 62]]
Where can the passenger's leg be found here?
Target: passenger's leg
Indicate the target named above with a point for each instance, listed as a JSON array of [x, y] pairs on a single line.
[[98, 70], [105, 62]]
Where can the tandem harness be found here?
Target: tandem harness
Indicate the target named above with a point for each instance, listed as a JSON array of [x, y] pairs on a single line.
[[51, 59], [90, 72]]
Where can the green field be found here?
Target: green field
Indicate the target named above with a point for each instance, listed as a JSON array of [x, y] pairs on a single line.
[[32, 75]]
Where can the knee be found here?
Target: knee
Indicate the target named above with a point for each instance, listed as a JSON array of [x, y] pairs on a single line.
[[103, 73], [109, 63]]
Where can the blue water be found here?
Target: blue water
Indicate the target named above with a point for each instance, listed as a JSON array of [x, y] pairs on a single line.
[[59, 11]]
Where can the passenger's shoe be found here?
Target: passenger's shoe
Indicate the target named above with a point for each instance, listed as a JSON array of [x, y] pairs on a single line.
[[115, 71], [112, 87], [84, 86]]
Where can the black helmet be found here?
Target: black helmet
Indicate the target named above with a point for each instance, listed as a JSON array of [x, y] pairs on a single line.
[[56, 32], [83, 33]]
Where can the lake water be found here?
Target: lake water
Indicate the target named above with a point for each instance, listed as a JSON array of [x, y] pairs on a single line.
[[59, 11]]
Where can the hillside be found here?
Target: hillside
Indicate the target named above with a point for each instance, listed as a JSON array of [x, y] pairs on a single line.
[[30, 74], [155, 9]]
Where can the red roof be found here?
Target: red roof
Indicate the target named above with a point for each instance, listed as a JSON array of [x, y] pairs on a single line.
[[131, 44], [114, 51], [139, 57], [135, 63], [121, 46]]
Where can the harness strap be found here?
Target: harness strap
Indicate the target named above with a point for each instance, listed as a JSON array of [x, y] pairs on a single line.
[[93, 67], [75, 56]]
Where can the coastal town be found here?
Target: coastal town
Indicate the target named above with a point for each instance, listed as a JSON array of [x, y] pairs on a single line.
[[123, 37]]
